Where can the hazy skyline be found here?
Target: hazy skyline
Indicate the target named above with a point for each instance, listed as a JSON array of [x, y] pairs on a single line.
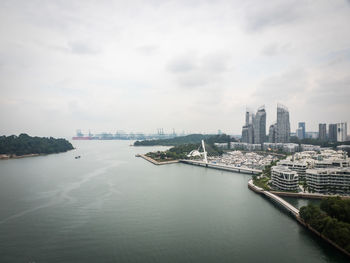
[[189, 65]]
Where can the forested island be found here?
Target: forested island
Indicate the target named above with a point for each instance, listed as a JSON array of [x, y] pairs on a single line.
[[24, 145], [331, 219]]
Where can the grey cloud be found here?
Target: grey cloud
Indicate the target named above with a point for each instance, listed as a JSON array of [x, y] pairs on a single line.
[[77, 47], [55, 15], [260, 15], [284, 86], [147, 49], [193, 71], [330, 98], [193, 80], [82, 48], [216, 63], [333, 90], [275, 49], [182, 64]]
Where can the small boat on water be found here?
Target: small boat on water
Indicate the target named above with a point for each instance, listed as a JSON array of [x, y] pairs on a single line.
[[77, 157]]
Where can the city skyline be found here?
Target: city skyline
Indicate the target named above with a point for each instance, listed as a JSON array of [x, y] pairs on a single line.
[[188, 65]]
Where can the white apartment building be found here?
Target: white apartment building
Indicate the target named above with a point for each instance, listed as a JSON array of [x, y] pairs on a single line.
[[327, 163], [298, 166], [329, 180], [284, 179]]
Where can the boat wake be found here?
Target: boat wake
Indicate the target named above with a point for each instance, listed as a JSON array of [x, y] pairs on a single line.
[[63, 195]]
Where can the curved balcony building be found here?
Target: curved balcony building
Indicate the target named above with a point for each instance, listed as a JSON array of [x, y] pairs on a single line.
[[284, 179]]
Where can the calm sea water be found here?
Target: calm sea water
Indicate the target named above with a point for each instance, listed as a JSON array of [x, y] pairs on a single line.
[[109, 206]]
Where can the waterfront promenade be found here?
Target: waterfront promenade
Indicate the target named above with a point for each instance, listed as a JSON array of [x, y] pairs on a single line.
[[287, 206], [223, 167]]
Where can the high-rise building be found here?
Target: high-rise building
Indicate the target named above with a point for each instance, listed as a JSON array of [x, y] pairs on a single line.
[[247, 133], [259, 126], [283, 124], [254, 130], [247, 117], [322, 131], [247, 129], [301, 126], [332, 132], [342, 132], [272, 133], [299, 133]]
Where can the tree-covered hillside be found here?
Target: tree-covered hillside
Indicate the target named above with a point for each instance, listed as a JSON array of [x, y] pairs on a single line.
[[331, 219], [25, 144]]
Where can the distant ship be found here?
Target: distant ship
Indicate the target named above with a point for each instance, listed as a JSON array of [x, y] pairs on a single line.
[[80, 136]]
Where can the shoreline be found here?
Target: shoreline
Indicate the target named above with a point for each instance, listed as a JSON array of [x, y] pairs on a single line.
[[9, 157]]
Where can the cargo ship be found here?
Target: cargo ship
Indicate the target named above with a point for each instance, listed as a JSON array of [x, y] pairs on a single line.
[[80, 136]]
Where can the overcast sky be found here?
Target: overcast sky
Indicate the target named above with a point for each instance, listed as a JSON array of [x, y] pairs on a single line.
[[190, 65]]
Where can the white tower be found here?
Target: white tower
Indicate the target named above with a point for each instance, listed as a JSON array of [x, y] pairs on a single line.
[[204, 152]]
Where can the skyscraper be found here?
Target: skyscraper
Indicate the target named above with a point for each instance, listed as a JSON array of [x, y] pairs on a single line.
[[301, 125], [259, 126], [272, 133], [247, 129], [254, 130], [342, 132], [322, 131], [299, 133], [332, 132], [283, 124]]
